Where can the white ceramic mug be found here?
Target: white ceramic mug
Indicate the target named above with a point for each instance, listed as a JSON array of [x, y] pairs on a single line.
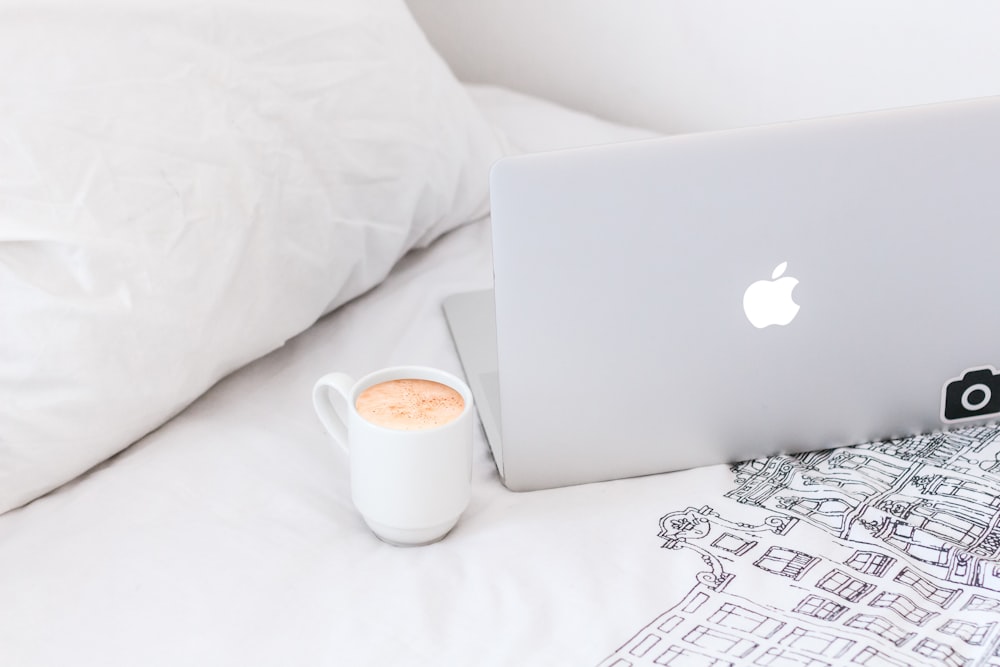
[[409, 486]]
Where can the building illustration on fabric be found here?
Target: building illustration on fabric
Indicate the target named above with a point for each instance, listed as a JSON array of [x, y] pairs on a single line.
[[883, 555]]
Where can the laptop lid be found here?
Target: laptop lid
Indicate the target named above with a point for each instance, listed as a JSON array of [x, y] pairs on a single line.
[[629, 280]]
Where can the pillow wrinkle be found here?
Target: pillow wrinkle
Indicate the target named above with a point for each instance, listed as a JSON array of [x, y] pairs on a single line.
[[192, 183]]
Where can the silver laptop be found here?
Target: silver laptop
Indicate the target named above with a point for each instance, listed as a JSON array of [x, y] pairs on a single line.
[[716, 297]]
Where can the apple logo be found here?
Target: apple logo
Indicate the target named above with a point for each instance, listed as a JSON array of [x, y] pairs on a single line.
[[768, 302]]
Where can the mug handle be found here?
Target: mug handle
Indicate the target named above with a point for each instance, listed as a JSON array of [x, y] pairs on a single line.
[[332, 413]]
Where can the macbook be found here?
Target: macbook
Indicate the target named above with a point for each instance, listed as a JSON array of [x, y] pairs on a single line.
[[717, 297]]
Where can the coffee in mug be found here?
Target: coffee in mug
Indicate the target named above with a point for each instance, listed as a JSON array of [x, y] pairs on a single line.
[[410, 404], [407, 431]]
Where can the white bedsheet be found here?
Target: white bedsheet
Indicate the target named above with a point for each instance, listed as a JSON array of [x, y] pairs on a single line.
[[227, 537]]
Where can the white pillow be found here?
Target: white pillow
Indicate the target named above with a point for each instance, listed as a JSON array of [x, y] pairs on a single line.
[[186, 185]]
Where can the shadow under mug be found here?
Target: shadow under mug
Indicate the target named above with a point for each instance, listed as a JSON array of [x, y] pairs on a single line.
[[410, 487]]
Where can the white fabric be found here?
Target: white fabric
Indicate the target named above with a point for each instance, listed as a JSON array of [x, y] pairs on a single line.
[[227, 537], [184, 185], [532, 124]]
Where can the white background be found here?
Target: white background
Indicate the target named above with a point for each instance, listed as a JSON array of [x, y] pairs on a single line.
[[689, 65]]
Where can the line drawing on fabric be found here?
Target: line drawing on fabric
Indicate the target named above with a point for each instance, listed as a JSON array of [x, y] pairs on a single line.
[[885, 554]]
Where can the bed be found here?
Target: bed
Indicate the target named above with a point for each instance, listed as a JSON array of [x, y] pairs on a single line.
[[168, 495]]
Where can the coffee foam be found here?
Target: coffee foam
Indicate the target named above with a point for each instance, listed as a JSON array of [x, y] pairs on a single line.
[[410, 405]]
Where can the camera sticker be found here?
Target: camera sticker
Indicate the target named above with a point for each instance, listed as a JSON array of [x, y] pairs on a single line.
[[975, 395]]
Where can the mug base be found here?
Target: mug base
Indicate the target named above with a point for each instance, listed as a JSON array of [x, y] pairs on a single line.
[[411, 537]]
